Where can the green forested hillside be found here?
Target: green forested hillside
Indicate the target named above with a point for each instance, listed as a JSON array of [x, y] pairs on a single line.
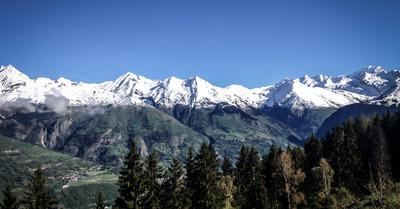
[[76, 181]]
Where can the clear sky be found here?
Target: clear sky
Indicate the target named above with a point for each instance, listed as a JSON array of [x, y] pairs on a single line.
[[251, 43]]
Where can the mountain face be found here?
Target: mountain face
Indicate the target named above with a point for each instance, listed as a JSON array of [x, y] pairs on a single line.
[[77, 117], [104, 136]]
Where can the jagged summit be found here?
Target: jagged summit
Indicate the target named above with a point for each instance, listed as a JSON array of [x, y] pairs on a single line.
[[2, 67], [11, 71], [368, 84], [372, 69], [11, 78]]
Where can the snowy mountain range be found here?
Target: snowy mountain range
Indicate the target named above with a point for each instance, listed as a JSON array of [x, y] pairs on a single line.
[[368, 85], [94, 121]]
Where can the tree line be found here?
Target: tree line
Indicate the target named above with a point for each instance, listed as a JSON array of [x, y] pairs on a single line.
[[356, 160]]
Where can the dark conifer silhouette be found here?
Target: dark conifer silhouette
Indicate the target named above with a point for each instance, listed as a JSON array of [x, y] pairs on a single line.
[[207, 194], [10, 201], [313, 152], [37, 195], [190, 177], [151, 198], [227, 166], [131, 181], [100, 201], [173, 194]]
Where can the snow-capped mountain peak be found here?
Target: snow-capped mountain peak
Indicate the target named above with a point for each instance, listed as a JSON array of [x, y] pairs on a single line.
[[12, 73], [64, 81], [320, 78], [129, 84], [368, 84], [308, 81], [375, 79], [9, 69], [173, 83], [196, 82], [372, 69], [11, 78], [306, 77]]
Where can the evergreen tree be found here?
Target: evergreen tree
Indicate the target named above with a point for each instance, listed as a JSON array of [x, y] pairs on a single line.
[[380, 159], [394, 145], [190, 177], [151, 199], [299, 157], [352, 161], [270, 170], [241, 163], [386, 122], [37, 195], [313, 151], [333, 147], [251, 190], [344, 156], [240, 178], [100, 201], [173, 193], [256, 192], [361, 126], [207, 193], [227, 166], [131, 181], [10, 201]]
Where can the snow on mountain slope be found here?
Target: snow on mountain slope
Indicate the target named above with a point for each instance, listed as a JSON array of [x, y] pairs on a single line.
[[194, 92], [11, 78], [298, 96], [130, 84], [368, 84], [370, 81], [18, 90]]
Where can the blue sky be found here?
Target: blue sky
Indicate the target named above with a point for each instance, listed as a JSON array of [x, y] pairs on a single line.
[[251, 43]]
